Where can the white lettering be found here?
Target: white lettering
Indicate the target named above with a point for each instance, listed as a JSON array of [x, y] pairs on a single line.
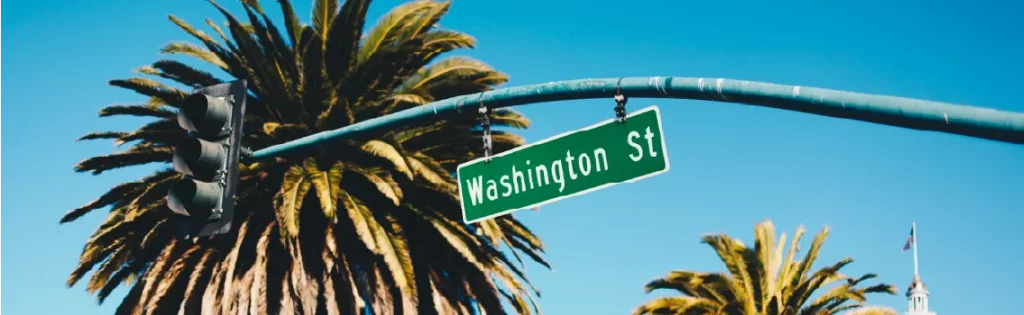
[[475, 191], [568, 163], [650, 142], [542, 175], [526, 175], [639, 150], [517, 180], [556, 174], [508, 187], [529, 174], [492, 190], [584, 164], [600, 156]]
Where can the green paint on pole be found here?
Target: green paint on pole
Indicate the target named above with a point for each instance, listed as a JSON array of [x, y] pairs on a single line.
[[563, 166]]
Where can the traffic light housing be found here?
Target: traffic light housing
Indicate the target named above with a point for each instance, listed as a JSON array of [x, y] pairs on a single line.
[[208, 158]]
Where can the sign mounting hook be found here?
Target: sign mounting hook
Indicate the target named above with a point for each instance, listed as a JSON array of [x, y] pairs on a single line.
[[620, 103], [485, 123]]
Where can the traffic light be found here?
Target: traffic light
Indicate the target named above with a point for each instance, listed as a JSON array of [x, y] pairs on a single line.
[[208, 157]]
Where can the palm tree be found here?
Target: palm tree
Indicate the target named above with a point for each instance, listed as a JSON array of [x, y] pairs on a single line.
[[370, 222], [762, 281]]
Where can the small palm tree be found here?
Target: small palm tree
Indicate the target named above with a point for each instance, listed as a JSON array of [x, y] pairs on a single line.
[[763, 281], [372, 222]]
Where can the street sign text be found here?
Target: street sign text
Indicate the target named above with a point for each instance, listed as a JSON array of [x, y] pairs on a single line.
[[563, 166]]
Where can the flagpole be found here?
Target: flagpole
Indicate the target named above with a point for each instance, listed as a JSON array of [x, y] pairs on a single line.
[[913, 227]]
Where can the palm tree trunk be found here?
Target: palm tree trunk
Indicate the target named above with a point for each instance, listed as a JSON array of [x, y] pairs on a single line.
[[889, 110]]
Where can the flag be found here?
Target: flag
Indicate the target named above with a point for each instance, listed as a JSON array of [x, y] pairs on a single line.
[[910, 240]]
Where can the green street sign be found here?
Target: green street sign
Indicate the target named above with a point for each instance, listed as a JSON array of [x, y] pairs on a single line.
[[563, 166]]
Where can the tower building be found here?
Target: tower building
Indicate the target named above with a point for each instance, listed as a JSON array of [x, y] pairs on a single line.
[[917, 294]]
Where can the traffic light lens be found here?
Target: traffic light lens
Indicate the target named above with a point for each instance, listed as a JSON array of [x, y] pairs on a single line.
[[193, 198], [204, 114], [199, 158]]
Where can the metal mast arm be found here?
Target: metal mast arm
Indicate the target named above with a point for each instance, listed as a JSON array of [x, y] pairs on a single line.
[[889, 110]]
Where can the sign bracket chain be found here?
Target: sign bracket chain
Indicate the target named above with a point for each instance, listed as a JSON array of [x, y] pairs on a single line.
[[620, 104], [485, 123]]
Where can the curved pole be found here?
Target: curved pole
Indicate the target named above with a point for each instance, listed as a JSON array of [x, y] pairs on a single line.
[[889, 110]]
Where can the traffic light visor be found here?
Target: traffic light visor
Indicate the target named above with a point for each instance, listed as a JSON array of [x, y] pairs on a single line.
[[193, 198], [199, 158], [204, 114]]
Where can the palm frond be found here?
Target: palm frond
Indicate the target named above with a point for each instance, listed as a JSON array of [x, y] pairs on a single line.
[[182, 73], [134, 156], [873, 310], [289, 200], [388, 152], [195, 51], [677, 305], [168, 95], [389, 28], [291, 21], [342, 41], [102, 135], [137, 110], [227, 56], [324, 12]]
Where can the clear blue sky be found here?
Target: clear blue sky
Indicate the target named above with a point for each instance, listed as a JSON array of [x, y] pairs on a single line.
[[732, 165]]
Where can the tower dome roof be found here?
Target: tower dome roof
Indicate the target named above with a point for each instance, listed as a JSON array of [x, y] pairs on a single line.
[[917, 287]]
